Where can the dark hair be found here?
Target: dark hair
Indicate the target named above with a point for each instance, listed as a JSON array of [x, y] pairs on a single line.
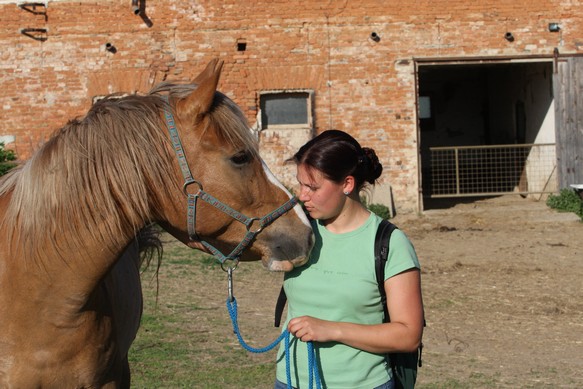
[[338, 155]]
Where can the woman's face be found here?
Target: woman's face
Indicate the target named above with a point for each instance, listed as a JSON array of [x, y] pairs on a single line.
[[322, 198]]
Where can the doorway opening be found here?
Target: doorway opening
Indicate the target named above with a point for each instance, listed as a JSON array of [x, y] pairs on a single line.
[[485, 129]]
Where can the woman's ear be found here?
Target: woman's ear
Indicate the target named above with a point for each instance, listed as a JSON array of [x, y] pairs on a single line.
[[349, 185]]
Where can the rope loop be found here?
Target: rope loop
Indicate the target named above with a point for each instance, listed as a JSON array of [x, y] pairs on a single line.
[[232, 308], [313, 371]]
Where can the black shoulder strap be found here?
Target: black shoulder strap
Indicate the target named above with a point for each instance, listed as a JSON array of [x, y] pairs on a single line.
[[381, 251], [382, 241]]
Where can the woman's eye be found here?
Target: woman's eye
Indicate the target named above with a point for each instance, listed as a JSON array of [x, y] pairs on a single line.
[[241, 158]]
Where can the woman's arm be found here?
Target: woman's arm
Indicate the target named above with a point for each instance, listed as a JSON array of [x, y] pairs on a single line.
[[402, 334]]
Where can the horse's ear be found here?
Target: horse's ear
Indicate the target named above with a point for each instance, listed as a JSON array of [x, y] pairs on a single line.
[[200, 101]]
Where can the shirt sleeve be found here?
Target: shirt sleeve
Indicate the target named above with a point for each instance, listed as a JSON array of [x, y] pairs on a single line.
[[402, 255]]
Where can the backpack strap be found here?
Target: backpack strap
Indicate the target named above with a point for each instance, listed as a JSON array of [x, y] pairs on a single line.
[[381, 247], [381, 252]]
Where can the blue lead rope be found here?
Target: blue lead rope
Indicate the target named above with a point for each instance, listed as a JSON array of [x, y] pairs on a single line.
[[313, 372]]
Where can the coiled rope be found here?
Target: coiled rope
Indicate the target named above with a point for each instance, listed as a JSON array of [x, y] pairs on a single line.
[[313, 372]]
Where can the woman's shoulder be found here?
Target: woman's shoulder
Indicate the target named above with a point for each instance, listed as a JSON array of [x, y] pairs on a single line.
[[402, 254]]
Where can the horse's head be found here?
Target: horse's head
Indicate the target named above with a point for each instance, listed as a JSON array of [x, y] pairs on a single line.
[[222, 156]]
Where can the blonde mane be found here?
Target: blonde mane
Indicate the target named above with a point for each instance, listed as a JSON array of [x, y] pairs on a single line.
[[103, 175]]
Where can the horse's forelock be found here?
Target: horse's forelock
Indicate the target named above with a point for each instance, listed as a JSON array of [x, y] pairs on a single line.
[[231, 124]]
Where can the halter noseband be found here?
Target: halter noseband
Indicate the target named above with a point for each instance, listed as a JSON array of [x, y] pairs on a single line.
[[201, 194]]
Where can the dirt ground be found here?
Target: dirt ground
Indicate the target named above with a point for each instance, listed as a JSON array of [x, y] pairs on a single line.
[[502, 281], [502, 284]]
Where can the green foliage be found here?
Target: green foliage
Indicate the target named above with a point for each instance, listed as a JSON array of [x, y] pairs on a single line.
[[566, 201], [6, 158], [381, 210]]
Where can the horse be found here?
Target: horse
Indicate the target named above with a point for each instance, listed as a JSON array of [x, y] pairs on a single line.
[[79, 216]]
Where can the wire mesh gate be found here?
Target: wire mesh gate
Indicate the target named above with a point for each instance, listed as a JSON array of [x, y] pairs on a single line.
[[491, 170]]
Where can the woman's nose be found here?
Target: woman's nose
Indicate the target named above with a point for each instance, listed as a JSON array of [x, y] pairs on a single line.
[[304, 194]]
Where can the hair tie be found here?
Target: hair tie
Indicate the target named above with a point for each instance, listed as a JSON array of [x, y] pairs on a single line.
[[363, 160]]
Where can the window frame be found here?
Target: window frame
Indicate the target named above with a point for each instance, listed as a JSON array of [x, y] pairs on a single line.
[[309, 109]]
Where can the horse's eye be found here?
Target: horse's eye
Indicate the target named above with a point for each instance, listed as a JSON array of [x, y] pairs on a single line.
[[241, 158]]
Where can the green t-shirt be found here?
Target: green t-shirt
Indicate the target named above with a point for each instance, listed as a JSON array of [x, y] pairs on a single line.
[[339, 284]]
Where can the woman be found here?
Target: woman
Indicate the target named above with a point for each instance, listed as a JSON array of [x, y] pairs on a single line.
[[333, 300]]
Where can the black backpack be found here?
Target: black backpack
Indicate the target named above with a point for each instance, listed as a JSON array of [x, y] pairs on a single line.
[[403, 365]]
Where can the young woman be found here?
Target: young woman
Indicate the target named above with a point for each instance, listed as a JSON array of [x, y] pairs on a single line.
[[333, 300]]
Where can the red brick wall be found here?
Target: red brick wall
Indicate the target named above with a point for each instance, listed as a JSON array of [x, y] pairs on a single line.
[[364, 87]]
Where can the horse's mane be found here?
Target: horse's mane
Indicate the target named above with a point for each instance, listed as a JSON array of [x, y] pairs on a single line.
[[104, 174]]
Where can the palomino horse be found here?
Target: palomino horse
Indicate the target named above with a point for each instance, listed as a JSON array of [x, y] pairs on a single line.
[[74, 218]]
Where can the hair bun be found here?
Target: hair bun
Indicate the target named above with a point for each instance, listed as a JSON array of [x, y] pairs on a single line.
[[372, 166]]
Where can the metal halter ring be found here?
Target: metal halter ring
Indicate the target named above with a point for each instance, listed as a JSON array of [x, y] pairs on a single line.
[[188, 183], [229, 269], [250, 223]]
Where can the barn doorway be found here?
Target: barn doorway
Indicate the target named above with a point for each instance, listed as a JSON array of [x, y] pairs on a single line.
[[485, 129]]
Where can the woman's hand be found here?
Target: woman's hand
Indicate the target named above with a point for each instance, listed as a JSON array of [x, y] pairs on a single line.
[[308, 329]]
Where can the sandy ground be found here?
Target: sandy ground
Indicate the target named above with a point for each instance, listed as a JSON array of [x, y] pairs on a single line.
[[502, 281]]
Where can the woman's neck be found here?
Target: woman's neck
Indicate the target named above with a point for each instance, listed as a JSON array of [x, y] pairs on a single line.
[[353, 215]]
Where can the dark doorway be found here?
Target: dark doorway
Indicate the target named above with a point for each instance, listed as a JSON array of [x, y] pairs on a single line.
[[493, 104]]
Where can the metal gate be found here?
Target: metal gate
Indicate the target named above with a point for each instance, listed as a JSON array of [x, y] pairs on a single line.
[[492, 170]]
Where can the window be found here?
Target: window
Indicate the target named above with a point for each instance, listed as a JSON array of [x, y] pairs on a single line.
[[289, 109]]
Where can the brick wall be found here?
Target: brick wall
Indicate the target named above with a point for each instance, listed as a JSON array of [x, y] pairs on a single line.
[[363, 86]]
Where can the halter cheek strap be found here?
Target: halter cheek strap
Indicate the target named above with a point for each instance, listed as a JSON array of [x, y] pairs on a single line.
[[188, 180], [201, 194]]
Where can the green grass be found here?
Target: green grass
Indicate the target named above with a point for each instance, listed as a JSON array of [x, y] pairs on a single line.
[[186, 338]]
